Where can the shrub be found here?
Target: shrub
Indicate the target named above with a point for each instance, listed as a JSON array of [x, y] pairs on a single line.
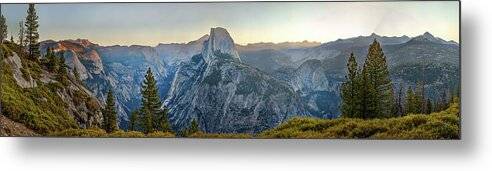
[[440, 125], [201, 134], [123, 134], [160, 134], [80, 133], [100, 133]]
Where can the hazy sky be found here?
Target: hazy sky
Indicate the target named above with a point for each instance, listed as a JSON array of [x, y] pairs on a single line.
[[153, 23]]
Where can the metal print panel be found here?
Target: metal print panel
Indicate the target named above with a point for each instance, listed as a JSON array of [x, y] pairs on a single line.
[[321, 70]]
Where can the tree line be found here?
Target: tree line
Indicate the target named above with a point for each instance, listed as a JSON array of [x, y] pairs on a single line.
[[368, 91]]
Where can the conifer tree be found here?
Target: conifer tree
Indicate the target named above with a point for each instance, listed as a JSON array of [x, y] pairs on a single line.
[[377, 80], [154, 118], [32, 34], [147, 121], [3, 28], [399, 102], [52, 61], [163, 121], [12, 39], [410, 103], [61, 72], [419, 98], [109, 114], [133, 121], [21, 34], [368, 97], [350, 90]]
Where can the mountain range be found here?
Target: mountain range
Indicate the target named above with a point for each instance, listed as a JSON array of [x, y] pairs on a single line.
[[231, 88]]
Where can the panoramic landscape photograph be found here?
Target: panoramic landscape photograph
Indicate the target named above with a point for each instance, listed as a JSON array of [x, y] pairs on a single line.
[[231, 70]]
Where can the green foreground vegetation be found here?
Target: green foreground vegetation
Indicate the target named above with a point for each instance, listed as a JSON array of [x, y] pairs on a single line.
[[438, 125], [39, 108]]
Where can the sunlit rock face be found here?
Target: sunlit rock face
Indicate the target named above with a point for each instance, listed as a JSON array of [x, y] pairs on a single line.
[[219, 41], [121, 68]]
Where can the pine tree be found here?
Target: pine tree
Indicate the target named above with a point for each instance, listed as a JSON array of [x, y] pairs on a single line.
[[163, 121], [154, 118], [3, 28], [133, 121], [380, 95], [350, 91], [367, 96], [12, 39], [109, 114], [147, 121], [410, 102], [61, 72], [399, 102], [52, 61], [21, 34], [419, 98], [32, 34]]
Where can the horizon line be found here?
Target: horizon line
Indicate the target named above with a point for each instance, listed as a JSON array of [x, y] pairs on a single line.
[[250, 43]]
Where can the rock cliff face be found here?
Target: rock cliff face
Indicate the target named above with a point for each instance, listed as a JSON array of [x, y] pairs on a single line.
[[319, 89], [225, 95], [119, 67], [219, 41], [37, 102]]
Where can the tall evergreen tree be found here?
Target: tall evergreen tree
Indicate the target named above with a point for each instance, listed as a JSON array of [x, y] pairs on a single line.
[[154, 118], [380, 95], [419, 98], [410, 103], [163, 120], [21, 34], [3, 28], [133, 121], [350, 90], [32, 34], [109, 113], [61, 72], [399, 109]]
